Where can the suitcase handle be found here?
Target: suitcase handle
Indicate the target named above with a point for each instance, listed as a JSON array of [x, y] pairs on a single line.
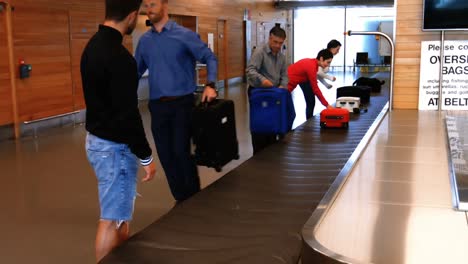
[[266, 89], [206, 104], [203, 105]]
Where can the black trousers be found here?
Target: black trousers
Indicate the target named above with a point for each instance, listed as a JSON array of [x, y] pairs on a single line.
[[171, 124], [309, 97], [261, 141]]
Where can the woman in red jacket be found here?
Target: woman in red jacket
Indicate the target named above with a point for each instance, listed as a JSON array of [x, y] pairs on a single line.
[[304, 74]]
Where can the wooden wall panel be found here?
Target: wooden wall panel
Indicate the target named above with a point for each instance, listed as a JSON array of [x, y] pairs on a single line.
[[236, 56], [77, 89], [220, 47], [209, 11], [6, 112], [408, 52], [84, 22], [205, 25], [46, 46], [185, 21], [51, 34]]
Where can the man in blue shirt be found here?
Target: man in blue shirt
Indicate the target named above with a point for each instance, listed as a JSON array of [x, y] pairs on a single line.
[[170, 52]]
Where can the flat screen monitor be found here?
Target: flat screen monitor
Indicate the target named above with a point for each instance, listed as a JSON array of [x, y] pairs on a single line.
[[445, 15]]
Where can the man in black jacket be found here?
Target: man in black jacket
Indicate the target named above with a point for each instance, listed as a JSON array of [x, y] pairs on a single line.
[[116, 138]]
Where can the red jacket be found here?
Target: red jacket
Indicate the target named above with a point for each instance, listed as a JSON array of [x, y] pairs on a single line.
[[302, 71]]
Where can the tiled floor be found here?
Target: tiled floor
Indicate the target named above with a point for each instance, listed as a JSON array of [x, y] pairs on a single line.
[[48, 195]]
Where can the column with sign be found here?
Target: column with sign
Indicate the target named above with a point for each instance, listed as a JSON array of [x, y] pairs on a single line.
[[455, 75]]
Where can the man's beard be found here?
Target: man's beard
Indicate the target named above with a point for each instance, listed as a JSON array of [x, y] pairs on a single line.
[[156, 18]]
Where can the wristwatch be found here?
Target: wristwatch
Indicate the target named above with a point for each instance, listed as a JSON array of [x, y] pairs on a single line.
[[211, 84]]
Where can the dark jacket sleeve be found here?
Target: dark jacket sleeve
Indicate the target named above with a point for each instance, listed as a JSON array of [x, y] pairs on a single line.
[[124, 101]]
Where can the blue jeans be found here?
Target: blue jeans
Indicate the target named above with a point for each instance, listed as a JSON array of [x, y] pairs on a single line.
[[116, 170], [309, 97]]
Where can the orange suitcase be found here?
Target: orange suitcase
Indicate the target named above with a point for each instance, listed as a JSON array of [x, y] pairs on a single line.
[[337, 117]]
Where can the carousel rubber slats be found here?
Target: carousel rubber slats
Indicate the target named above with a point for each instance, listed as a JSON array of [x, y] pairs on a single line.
[[255, 213]]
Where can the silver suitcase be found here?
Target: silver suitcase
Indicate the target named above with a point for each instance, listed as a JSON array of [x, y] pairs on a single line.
[[352, 104]]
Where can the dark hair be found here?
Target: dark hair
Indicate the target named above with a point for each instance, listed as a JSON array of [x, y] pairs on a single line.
[[333, 44], [278, 32], [118, 10], [325, 54]]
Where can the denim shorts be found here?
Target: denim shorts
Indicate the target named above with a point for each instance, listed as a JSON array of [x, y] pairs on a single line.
[[116, 169]]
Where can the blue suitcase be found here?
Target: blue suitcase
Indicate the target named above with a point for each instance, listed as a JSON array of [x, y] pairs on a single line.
[[271, 111]]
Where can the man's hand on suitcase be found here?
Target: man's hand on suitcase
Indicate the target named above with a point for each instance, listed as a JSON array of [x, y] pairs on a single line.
[[209, 94], [330, 106], [267, 83]]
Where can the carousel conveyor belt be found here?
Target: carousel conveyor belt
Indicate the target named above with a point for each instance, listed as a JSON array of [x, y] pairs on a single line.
[[255, 213]]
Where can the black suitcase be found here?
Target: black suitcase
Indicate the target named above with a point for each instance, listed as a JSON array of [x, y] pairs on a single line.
[[214, 134], [374, 83], [363, 92]]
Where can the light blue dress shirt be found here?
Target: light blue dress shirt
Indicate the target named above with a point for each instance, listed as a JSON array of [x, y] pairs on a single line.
[[170, 57]]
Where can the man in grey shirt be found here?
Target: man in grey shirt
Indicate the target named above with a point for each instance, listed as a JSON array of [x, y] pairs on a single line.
[[267, 68]]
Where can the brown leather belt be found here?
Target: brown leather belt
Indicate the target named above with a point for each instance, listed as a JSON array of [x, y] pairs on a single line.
[[168, 98]]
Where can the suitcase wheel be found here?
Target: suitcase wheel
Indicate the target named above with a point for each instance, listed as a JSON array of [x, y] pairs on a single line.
[[322, 124], [237, 157], [346, 125], [217, 169]]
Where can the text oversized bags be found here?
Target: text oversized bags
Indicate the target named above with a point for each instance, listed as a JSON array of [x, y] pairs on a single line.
[[271, 110], [214, 133]]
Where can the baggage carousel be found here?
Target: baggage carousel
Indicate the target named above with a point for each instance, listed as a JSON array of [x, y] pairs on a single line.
[[256, 212]]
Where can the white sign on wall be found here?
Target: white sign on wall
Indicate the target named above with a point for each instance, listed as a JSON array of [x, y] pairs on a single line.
[[211, 41], [455, 75]]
